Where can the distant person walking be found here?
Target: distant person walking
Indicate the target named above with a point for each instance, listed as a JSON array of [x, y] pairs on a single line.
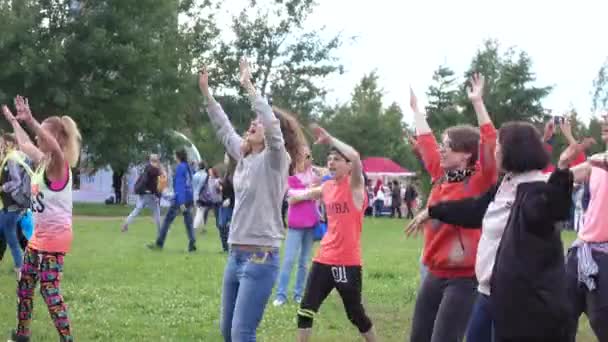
[[148, 192]]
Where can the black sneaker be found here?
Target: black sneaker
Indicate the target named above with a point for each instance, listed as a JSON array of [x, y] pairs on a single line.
[[153, 246], [15, 338], [191, 248]]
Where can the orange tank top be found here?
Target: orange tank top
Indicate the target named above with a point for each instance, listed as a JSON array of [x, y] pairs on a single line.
[[341, 245]]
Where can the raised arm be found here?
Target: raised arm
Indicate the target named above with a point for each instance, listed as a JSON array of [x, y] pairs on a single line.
[[23, 140], [57, 166], [356, 176], [475, 93], [566, 128], [488, 173], [223, 128], [272, 127], [426, 143]]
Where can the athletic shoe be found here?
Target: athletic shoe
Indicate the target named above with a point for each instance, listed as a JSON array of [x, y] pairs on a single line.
[[191, 248], [15, 338], [278, 302], [124, 228], [153, 246]]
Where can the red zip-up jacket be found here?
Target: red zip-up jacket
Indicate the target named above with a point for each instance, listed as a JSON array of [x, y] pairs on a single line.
[[449, 250]]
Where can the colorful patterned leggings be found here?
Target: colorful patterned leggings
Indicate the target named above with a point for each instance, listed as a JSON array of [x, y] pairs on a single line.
[[46, 267]]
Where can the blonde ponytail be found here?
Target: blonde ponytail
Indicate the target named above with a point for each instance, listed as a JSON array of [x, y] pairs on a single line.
[[71, 150]]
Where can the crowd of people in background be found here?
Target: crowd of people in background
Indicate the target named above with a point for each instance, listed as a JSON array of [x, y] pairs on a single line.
[[493, 267]]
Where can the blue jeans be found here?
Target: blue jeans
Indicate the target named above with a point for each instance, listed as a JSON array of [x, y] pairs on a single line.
[[248, 281], [224, 225], [481, 324], [170, 217], [8, 228], [378, 207], [299, 241]]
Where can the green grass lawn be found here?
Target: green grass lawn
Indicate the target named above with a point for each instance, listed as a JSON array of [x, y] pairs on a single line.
[[117, 290]]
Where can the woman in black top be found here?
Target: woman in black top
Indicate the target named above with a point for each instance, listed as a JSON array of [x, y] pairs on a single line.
[[227, 206], [528, 301]]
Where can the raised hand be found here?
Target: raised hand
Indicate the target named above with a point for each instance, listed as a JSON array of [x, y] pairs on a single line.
[[321, 134], [414, 101], [8, 114], [475, 90], [23, 109], [245, 72], [565, 126], [417, 223], [203, 81]]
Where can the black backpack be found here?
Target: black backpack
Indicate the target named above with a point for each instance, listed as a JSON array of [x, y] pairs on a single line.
[[23, 194], [141, 183]]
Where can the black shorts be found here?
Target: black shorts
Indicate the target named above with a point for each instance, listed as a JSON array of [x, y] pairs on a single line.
[[322, 279]]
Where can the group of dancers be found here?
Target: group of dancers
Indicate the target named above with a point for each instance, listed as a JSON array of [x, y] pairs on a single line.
[[494, 258]]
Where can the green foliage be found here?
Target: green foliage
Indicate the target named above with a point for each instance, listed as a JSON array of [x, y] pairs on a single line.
[[369, 127], [289, 61], [510, 93], [121, 69], [442, 111], [600, 85]]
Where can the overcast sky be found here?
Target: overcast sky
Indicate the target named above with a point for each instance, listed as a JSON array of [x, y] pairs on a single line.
[[405, 41]]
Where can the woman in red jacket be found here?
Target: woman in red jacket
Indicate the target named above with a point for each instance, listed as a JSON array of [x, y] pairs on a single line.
[[461, 166]]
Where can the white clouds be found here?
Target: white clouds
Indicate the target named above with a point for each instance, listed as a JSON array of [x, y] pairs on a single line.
[[406, 40]]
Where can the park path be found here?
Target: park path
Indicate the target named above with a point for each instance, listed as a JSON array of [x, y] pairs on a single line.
[[97, 218]]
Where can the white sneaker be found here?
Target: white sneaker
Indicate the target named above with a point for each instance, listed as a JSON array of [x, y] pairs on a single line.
[[278, 302]]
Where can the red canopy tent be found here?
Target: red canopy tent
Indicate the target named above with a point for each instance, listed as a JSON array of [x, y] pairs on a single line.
[[377, 167]]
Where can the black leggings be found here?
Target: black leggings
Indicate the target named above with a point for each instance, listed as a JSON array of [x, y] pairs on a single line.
[[322, 279]]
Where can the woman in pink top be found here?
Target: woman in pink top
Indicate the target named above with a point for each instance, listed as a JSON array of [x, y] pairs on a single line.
[[302, 217], [58, 147], [587, 263]]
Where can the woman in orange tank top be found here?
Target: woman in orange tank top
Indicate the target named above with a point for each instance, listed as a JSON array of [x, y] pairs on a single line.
[[338, 261]]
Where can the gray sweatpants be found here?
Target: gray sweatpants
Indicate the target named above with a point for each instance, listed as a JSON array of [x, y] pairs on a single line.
[[443, 308], [149, 201]]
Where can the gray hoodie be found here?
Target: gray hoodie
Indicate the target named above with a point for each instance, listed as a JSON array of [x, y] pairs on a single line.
[[260, 180]]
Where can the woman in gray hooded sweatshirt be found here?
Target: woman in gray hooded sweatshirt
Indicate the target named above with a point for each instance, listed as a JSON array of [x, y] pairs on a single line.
[[256, 231]]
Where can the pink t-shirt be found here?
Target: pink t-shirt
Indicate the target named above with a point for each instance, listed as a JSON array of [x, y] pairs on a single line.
[[595, 227], [304, 214]]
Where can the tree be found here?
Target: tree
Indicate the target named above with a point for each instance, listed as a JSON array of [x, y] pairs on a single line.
[[368, 127], [510, 93], [442, 96], [289, 61], [600, 85], [121, 69]]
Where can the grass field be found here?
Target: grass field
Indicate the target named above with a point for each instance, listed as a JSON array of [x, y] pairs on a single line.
[[117, 290]]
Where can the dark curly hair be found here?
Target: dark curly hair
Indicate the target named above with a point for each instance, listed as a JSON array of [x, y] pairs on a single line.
[[294, 137]]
